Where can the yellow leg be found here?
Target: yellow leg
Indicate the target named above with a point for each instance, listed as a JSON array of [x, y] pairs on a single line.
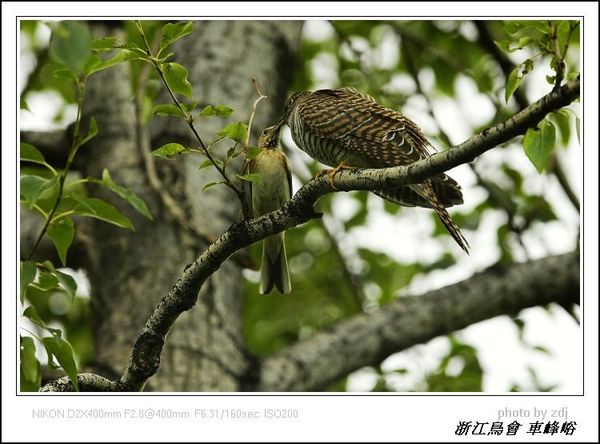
[[332, 172]]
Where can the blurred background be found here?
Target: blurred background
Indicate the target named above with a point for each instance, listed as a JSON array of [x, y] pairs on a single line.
[[450, 78]]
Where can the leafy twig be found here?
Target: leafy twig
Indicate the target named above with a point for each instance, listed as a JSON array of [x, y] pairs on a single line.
[[143, 141], [487, 42], [190, 119], [74, 147]]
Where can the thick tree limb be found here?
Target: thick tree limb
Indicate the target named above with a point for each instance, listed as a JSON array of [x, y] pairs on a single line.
[[145, 357], [367, 339], [88, 382]]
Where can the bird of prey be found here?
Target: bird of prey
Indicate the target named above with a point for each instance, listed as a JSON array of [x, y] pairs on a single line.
[[346, 128]]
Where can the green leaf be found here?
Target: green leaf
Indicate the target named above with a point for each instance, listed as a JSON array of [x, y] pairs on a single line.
[[27, 274], [61, 232], [69, 284], [24, 105], [504, 45], [513, 83], [138, 204], [543, 26], [32, 314], [105, 43], [63, 352], [71, 44], [223, 111], [562, 120], [92, 132], [189, 107], [29, 153], [32, 188], [64, 73], [172, 32], [577, 126], [167, 110], [48, 265], [123, 55], [539, 144], [252, 152], [97, 208], [207, 163], [30, 368], [169, 150], [211, 184], [47, 281], [562, 33], [252, 177], [92, 61], [235, 131], [176, 77], [524, 41], [110, 43], [512, 26], [219, 111]]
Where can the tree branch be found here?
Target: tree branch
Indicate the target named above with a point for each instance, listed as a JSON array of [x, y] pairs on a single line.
[[367, 339], [145, 357], [88, 382]]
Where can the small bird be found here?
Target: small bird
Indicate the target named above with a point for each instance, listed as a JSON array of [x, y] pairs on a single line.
[[344, 128], [269, 194]]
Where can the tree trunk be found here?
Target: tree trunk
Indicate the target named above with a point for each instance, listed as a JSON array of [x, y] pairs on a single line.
[[130, 271]]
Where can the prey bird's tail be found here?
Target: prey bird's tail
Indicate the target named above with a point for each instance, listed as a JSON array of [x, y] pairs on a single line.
[[274, 271]]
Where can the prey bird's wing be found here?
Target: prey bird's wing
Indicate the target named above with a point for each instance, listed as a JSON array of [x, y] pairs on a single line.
[[288, 171]]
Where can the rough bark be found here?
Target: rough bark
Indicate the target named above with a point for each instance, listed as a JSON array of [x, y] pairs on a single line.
[[130, 270]]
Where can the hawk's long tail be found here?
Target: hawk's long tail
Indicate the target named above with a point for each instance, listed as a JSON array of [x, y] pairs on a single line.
[[426, 191]]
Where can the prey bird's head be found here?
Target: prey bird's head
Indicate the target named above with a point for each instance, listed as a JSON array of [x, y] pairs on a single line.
[[269, 138]]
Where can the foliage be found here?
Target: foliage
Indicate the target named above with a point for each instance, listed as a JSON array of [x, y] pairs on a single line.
[[57, 198], [332, 277]]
